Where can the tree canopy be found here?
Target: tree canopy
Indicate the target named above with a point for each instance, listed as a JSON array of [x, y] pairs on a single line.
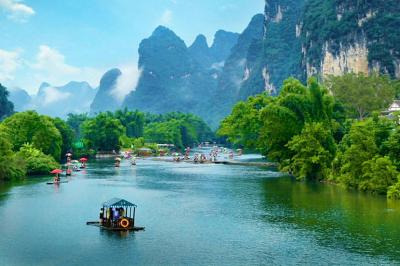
[[103, 132], [362, 94], [39, 130]]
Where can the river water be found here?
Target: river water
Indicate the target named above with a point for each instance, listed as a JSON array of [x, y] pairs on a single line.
[[198, 215]]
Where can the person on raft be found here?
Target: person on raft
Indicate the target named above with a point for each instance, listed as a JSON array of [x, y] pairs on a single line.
[[57, 178]]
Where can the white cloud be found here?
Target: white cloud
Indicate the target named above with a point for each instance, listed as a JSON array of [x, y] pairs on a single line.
[[52, 61], [166, 17], [50, 66], [17, 10], [127, 82], [52, 95], [10, 61]]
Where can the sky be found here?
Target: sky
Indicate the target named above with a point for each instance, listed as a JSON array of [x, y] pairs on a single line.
[[58, 41]]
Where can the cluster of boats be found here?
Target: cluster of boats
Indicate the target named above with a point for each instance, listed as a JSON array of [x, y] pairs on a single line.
[[71, 165], [210, 156]]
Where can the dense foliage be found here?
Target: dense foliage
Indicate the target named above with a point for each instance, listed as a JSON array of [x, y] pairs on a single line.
[[362, 94], [37, 163], [11, 167], [103, 132], [112, 131], [67, 135], [133, 121], [39, 130], [242, 127], [314, 134], [29, 144], [75, 121], [179, 129]]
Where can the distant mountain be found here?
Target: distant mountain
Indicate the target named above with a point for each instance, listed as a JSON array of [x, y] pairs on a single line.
[[175, 77], [223, 43], [167, 69], [104, 99], [235, 70], [219, 51], [74, 97], [277, 55], [20, 99], [200, 52]]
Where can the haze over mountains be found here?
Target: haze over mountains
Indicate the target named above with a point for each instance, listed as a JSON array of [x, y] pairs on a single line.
[[56, 101], [298, 38]]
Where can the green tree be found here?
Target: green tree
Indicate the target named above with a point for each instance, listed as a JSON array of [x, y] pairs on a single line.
[[67, 135], [313, 152], [184, 129], [164, 132], [394, 191], [103, 132], [242, 126], [280, 124], [286, 115], [378, 174], [132, 121], [356, 148], [360, 94], [39, 130], [75, 121], [37, 163], [392, 147], [11, 166]]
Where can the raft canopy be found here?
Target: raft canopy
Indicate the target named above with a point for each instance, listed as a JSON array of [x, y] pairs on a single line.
[[117, 202]]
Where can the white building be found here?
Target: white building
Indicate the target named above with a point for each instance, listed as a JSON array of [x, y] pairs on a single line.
[[394, 107]]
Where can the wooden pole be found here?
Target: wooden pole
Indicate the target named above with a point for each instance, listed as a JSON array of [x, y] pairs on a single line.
[[134, 210]]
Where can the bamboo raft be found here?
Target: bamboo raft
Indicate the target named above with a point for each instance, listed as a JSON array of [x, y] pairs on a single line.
[[117, 215], [134, 228]]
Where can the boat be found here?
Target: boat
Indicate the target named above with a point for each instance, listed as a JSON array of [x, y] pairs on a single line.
[[117, 215], [56, 183]]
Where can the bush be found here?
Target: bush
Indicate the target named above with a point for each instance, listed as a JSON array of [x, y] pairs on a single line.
[[394, 191], [37, 163], [11, 167], [378, 174]]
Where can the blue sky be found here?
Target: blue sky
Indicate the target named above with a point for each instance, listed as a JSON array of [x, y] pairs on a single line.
[[58, 41]]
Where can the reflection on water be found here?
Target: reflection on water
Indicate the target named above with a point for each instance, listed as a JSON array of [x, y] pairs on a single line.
[[195, 214], [335, 217]]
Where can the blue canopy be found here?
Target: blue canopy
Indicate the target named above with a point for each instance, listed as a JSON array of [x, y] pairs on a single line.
[[117, 202]]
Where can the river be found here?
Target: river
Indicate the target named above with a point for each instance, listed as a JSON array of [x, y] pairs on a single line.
[[198, 215]]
